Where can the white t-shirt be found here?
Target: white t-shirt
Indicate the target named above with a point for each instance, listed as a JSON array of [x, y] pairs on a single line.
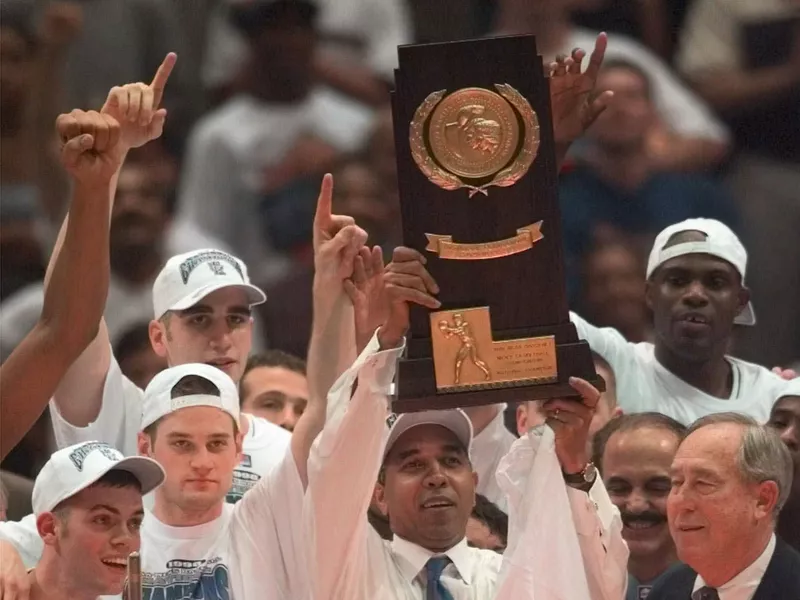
[[120, 420], [644, 385], [253, 551]]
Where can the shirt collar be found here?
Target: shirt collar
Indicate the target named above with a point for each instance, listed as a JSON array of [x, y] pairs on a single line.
[[413, 558], [751, 574]]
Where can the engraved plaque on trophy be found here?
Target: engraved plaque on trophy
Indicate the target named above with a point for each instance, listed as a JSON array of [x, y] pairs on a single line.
[[479, 198]]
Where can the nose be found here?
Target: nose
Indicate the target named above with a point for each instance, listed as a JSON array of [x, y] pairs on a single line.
[[288, 418], [435, 477], [201, 461], [695, 294], [791, 437], [637, 502], [126, 540], [220, 336]]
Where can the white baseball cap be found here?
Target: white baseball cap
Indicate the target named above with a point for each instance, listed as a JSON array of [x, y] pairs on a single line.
[[456, 420], [188, 278], [158, 401], [792, 388], [73, 469], [720, 242]]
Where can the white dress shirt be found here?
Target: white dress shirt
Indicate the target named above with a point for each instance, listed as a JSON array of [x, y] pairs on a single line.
[[745, 584], [349, 559]]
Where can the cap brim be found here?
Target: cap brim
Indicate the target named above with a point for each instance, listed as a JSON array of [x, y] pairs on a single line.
[[149, 473], [747, 316], [254, 295], [454, 420]]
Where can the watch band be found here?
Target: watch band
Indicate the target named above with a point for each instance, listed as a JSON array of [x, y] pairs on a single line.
[[582, 480]]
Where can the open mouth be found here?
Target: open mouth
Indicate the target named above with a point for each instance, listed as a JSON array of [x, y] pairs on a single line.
[[438, 504], [694, 319], [115, 563]]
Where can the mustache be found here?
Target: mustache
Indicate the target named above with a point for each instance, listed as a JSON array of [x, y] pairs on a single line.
[[648, 516]]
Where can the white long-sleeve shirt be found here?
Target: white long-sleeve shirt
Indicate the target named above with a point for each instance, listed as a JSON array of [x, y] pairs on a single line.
[[349, 559]]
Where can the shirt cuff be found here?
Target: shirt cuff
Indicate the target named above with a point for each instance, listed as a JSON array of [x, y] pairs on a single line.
[[585, 510]]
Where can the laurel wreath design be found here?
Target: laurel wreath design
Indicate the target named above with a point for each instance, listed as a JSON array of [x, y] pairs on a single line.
[[504, 178]]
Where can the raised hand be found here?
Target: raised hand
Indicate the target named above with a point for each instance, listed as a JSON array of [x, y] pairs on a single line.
[[570, 421], [574, 100], [406, 280], [137, 107], [367, 292], [90, 142], [337, 239]]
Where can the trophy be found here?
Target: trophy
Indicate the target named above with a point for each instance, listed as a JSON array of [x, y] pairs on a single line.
[[133, 582], [478, 187]]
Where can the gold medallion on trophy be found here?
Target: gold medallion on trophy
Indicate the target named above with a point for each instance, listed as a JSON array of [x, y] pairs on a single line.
[[474, 138]]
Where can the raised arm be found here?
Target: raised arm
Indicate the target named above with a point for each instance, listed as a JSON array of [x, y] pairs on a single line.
[[344, 464], [136, 108], [75, 294]]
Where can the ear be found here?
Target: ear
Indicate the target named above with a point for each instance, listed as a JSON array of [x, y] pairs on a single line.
[[648, 294], [379, 499], [238, 439], [744, 298], [618, 412], [144, 444], [767, 499], [522, 419], [48, 526], [158, 338]]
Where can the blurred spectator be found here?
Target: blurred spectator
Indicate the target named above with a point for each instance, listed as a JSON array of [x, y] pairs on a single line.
[[612, 289], [618, 182], [136, 357], [356, 192], [634, 454], [143, 236], [380, 155], [252, 164], [743, 56], [32, 53], [356, 53], [685, 137], [487, 526], [785, 419], [274, 387], [18, 491]]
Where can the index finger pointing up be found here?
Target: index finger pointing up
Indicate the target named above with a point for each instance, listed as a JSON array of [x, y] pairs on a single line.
[[161, 77], [324, 202]]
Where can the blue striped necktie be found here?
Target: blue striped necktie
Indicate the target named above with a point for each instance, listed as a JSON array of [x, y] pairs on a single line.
[[435, 590]]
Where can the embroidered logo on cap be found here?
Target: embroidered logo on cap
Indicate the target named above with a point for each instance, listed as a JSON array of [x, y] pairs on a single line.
[[214, 260], [78, 456]]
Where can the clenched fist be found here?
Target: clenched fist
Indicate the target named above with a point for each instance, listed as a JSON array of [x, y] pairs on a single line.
[[90, 149]]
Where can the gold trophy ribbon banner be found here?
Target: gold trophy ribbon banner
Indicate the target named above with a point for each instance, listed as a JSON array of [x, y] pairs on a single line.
[[445, 247]]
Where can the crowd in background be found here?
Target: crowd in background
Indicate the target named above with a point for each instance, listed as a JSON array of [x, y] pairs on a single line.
[[705, 123]]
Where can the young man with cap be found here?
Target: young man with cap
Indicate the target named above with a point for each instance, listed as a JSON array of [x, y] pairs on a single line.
[[426, 487], [696, 291], [785, 420], [87, 500]]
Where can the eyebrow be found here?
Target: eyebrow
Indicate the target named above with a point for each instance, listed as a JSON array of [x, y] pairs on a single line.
[[180, 435], [205, 309], [107, 507], [697, 471], [447, 448]]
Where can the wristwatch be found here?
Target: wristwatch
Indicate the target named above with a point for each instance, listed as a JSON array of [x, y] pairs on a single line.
[[584, 479]]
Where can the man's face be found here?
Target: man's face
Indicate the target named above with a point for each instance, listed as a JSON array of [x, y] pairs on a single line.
[[627, 120], [712, 511], [614, 289], [636, 474], [695, 299], [15, 63], [277, 394], [140, 214], [94, 535], [358, 194], [284, 52], [199, 449], [429, 488], [217, 331], [785, 419]]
